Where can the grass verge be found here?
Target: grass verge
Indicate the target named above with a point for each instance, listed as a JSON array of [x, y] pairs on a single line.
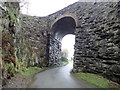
[[64, 63], [30, 71], [97, 80]]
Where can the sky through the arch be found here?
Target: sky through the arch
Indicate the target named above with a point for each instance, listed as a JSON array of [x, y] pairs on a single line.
[[68, 42]]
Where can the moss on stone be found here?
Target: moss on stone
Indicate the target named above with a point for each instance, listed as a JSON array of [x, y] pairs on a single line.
[[11, 13]]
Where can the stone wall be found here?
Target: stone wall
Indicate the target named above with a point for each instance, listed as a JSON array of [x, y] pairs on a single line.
[[0, 47], [54, 51], [35, 31], [17, 50], [97, 42], [97, 47], [9, 17]]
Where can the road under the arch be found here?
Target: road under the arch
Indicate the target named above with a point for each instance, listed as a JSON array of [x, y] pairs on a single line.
[[59, 77]]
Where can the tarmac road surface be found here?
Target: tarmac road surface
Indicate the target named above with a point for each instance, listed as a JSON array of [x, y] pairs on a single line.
[[59, 77]]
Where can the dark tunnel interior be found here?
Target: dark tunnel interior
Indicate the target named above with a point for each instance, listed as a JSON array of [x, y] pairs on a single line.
[[63, 26]]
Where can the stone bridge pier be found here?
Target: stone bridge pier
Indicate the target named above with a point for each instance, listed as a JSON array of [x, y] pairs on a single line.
[[96, 26]]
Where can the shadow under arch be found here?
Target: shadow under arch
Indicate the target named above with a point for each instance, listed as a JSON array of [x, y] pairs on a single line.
[[63, 26]]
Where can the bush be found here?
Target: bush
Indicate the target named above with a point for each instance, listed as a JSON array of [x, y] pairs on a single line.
[[64, 59]]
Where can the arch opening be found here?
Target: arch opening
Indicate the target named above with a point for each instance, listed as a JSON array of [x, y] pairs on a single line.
[[67, 49], [67, 43], [60, 28], [63, 26]]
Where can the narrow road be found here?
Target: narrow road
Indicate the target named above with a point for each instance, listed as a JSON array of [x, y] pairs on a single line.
[[59, 77]]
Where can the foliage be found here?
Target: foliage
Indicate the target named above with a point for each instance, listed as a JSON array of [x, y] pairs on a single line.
[[11, 13], [64, 59], [10, 70], [22, 67], [94, 79], [20, 23], [29, 71], [64, 53], [15, 46], [13, 18]]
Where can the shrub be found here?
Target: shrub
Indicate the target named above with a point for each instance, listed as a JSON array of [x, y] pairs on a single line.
[[64, 59]]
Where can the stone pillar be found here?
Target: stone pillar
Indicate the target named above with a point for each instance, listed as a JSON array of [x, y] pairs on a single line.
[[54, 51]]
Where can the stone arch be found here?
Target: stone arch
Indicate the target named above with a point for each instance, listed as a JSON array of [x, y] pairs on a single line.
[[65, 15], [61, 27]]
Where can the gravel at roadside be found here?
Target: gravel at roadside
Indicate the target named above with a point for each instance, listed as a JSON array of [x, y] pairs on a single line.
[[18, 81]]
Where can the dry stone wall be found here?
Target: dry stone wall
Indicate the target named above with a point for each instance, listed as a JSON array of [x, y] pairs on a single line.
[[11, 39], [97, 48], [54, 52], [97, 38], [97, 42], [35, 31], [17, 51], [9, 17]]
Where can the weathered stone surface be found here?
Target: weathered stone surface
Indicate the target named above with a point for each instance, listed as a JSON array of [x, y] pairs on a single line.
[[9, 22], [35, 31], [97, 37], [98, 51], [97, 42], [54, 51]]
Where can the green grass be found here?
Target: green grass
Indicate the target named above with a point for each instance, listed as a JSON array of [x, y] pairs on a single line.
[[94, 79], [64, 62], [29, 71]]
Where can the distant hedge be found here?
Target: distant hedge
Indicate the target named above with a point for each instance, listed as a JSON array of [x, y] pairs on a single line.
[[64, 59]]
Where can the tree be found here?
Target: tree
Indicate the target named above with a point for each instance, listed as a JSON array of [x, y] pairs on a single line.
[[64, 53]]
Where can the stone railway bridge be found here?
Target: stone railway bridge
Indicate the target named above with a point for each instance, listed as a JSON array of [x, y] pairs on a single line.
[[96, 26]]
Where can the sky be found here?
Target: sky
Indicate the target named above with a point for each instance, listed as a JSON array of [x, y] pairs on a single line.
[[68, 42], [44, 7]]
